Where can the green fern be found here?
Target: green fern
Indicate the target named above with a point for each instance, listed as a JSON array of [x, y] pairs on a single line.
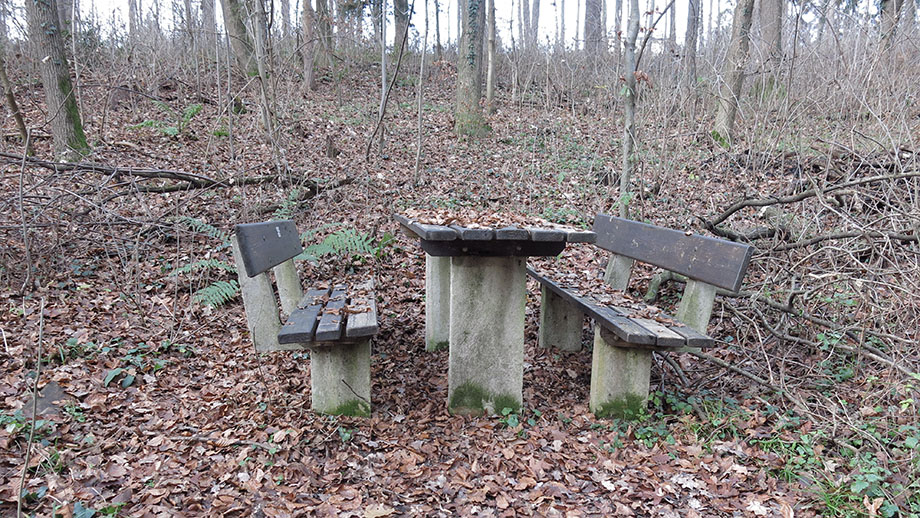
[[205, 264], [207, 229], [288, 206], [350, 241], [218, 293]]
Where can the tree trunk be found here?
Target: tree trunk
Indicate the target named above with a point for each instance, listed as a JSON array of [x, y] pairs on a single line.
[[618, 27], [523, 23], [437, 31], [309, 44], [133, 21], [733, 73], [67, 11], [208, 27], [771, 26], [534, 23], [890, 16], [324, 32], [594, 31], [239, 37], [468, 119], [690, 43], [629, 116], [401, 22], [560, 38], [286, 19], [48, 48], [490, 75], [10, 96]]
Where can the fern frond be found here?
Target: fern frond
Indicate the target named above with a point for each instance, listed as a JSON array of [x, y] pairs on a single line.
[[218, 293], [204, 264], [205, 228], [349, 241]]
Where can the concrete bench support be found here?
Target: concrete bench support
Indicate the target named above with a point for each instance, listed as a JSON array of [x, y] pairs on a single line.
[[619, 377], [437, 302], [340, 378], [486, 334], [560, 323]]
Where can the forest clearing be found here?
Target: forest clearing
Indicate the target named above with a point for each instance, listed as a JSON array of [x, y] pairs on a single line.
[[131, 385]]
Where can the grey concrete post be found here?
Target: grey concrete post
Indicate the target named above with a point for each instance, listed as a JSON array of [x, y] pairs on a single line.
[[437, 302], [289, 290], [619, 378], [340, 379], [618, 271], [560, 323], [486, 359], [259, 303], [695, 306]]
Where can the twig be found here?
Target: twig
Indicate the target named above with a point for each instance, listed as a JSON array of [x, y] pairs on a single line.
[[386, 97], [685, 382], [38, 372], [22, 214]]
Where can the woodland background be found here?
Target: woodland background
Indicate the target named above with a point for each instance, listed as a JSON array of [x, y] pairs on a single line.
[[130, 151]]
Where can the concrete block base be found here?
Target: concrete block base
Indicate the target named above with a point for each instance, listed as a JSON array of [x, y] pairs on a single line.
[[340, 378], [437, 302], [619, 379], [486, 334], [560, 323]]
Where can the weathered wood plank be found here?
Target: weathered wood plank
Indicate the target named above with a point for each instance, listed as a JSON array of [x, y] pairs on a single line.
[[359, 325], [330, 323], [694, 338], [301, 325], [546, 235], [624, 328], [666, 336], [425, 231], [473, 234], [714, 261], [512, 234], [267, 244], [580, 236], [493, 248]]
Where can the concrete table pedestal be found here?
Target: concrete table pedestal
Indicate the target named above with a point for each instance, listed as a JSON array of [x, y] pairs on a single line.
[[487, 299]]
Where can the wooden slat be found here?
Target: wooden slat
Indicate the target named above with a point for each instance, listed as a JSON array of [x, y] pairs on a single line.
[[473, 234], [301, 325], [580, 236], [427, 232], [512, 234], [623, 327], [694, 338], [546, 235], [714, 261], [666, 336], [330, 323], [359, 325], [267, 244], [493, 248]]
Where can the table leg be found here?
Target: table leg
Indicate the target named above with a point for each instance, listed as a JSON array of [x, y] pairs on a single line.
[[486, 366], [437, 302]]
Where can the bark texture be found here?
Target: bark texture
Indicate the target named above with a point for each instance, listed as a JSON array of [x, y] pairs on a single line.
[[733, 73], [239, 38], [468, 119], [48, 48], [595, 36]]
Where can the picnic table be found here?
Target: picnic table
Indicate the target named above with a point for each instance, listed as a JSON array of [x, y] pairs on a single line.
[[475, 298]]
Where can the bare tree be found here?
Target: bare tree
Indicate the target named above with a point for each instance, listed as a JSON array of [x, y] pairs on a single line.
[[688, 59], [490, 75], [437, 30], [468, 119], [890, 11], [324, 33], [733, 73], [240, 41], [629, 116], [208, 27], [308, 50], [595, 34], [9, 95], [48, 51], [401, 19], [771, 26]]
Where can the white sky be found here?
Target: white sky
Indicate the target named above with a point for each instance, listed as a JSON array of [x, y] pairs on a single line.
[[110, 11]]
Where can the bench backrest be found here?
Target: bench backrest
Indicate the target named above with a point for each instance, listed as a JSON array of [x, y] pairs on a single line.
[[712, 261], [267, 244], [258, 247]]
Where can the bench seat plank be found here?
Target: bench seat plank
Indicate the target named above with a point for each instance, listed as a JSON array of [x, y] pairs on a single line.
[[625, 328], [359, 325], [666, 336], [580, 236], [301, 325], [330, 323]]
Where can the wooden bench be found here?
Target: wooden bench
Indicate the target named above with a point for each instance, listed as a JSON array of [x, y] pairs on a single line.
[[623, 340], [335, 322]]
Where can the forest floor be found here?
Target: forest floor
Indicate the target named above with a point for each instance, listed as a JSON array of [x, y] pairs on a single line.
[[155, 404]]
